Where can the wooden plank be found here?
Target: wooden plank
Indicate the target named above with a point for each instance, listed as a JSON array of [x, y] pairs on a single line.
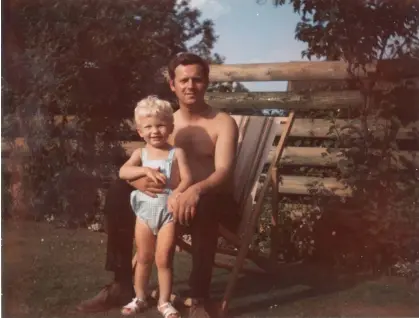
[[304, 156], [301, 156], [302, 185], [321, 157], [131, 146], [334, 85], [284, 100], [301, 71], [309, 186], [319, 128]]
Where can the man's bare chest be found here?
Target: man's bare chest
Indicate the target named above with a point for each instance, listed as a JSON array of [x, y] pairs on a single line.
[[195, 140]]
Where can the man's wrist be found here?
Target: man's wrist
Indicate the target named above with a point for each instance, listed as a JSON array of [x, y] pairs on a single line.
[[198, 189]]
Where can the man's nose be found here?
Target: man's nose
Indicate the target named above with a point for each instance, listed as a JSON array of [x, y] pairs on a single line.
[[189, 83]]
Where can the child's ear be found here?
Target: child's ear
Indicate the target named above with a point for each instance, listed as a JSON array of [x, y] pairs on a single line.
[[139, 132]]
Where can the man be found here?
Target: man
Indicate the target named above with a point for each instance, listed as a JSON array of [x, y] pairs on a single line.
[[209, 138]]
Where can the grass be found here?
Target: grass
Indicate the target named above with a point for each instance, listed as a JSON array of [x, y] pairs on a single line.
[[47, 271]]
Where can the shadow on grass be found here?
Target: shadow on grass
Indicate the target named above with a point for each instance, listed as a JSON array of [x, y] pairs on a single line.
[[48, 271], [293, 283]]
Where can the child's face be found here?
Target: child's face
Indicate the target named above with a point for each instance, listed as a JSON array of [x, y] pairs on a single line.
[[155, 130]]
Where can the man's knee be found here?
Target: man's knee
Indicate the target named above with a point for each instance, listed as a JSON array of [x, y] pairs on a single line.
[[117, 201]]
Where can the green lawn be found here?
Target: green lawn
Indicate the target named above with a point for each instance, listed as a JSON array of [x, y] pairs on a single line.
[[47, 271]]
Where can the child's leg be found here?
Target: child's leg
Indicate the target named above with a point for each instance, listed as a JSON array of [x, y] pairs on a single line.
[[164, 260], [145, 242]]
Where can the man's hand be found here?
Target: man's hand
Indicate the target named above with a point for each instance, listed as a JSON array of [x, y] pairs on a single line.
[[148, 186], [172, 204], [186, 205]]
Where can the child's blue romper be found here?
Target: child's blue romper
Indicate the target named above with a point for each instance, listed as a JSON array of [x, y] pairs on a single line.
[[154, 211]]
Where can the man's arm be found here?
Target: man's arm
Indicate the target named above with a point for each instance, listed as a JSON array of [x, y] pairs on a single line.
[[185, 181], [184, 171], [225, 155]]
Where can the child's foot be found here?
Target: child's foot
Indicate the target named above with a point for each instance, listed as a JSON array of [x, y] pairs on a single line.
[[135, 306], [168, 311]]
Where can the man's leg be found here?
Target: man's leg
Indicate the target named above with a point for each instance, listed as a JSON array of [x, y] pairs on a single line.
[[212, 210], [120, 221], [204, 235]]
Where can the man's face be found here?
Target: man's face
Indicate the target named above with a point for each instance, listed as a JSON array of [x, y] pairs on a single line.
[[189, 84]]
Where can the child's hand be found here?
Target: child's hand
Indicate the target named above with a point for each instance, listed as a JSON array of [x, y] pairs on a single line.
[[156, 176]]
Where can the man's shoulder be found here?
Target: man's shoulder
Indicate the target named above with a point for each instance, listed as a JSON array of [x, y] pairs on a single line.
[[177, 150], [226, 120], [223, 116]]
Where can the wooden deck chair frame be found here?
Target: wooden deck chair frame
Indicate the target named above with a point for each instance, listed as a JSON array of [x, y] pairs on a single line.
[[254, 216], [259, 133]]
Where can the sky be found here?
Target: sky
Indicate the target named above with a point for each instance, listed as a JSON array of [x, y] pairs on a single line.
[[253, 33]]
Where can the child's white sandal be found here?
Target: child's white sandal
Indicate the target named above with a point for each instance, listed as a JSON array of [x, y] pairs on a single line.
[[135, 306], [167, 309]]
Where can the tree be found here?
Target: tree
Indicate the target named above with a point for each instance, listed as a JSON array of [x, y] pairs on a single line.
[[93, 59], [383, 225], [356, 31]]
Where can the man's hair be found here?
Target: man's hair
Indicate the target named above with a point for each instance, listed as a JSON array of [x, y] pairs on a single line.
[[187, 59], [153, 106]]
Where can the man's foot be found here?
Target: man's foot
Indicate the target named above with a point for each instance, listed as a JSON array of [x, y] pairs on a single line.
[[111, 296], [203, 309]]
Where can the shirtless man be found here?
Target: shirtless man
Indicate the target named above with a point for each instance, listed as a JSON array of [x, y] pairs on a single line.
[[209, 138]]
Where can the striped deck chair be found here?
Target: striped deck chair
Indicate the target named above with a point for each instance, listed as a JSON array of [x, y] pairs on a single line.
[[258, 138]]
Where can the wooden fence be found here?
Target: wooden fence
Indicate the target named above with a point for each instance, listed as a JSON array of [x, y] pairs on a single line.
[[303, 127]]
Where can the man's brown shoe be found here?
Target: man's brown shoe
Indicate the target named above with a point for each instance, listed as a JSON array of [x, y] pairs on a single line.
[[111, 296], [204, 309]]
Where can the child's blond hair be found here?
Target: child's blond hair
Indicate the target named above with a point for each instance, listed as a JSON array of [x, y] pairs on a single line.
[[153, 106]]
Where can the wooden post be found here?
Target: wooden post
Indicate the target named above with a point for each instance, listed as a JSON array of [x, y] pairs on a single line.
[[247, 238], [273, 256]]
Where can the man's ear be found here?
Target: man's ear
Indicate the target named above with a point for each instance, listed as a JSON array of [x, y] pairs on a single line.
[[171, 128], [172, 85]]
